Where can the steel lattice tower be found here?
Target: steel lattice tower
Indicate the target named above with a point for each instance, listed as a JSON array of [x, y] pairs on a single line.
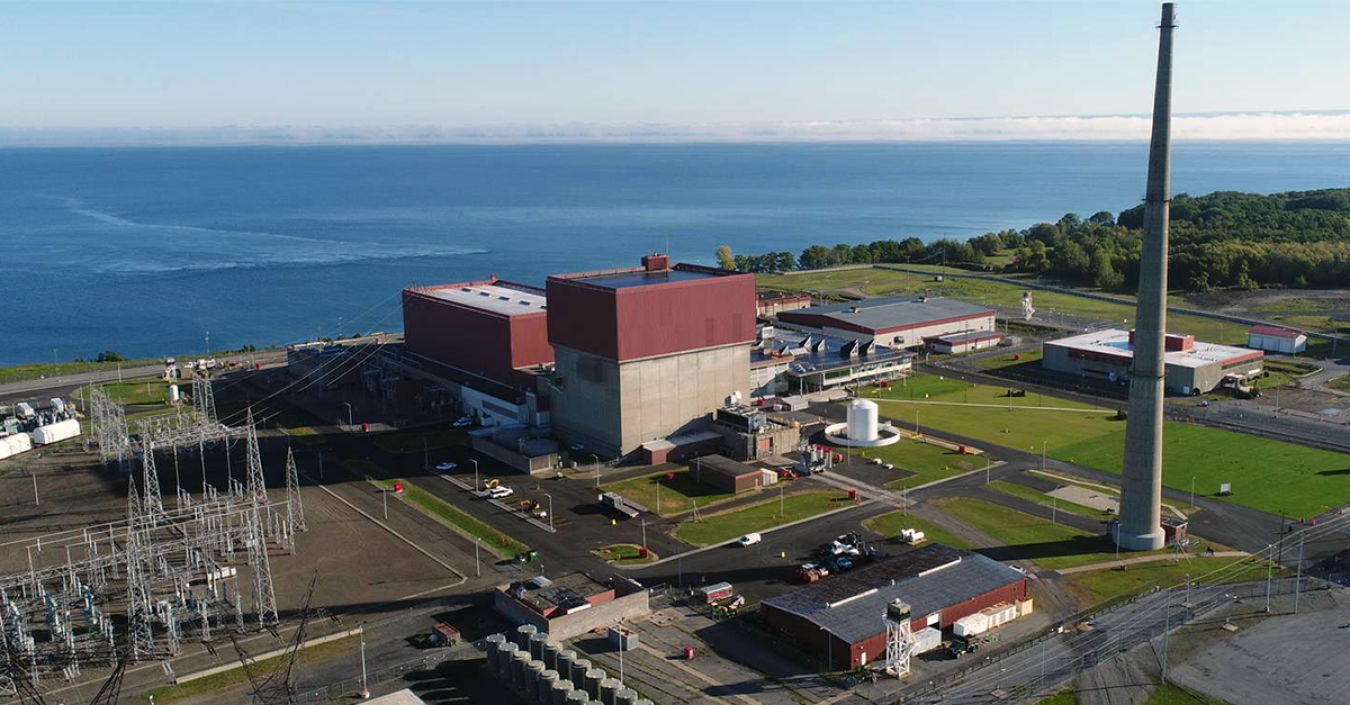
[[154, 502], [295, 510]]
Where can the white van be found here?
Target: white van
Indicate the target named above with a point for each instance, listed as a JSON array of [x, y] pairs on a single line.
[[749, 540]]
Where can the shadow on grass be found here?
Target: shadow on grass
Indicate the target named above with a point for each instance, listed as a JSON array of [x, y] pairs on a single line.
[[1076, 546]]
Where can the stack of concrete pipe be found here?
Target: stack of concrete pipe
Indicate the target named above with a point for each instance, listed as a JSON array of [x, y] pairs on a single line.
[[537, 641], [558, 691], [577, 697], [519, 661], [578, 674], [625, 696], [563, 664], [550, 655], [609, 687], [543, 687], [592, 680], [523, 634]]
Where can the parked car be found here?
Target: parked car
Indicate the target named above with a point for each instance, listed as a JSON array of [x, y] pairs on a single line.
[[447, 465], [500, 492], [576, 447], [749, 540], [462, 421]]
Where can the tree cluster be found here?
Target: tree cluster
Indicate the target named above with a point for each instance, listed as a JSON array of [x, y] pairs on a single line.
[[1224, 239]]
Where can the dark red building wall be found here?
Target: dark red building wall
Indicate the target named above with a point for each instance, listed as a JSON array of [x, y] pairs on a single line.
[[645, 321], [477, 341], [1009, 593], [582, 317]]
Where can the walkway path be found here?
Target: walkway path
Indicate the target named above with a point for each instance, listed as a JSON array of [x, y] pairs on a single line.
[[1147, 559]]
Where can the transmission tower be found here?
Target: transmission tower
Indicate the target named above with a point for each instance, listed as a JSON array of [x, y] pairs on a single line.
[[15, 674], [295, 510], [203, 398], [257, 482], [279, 686], [112, 688], [154, 503]]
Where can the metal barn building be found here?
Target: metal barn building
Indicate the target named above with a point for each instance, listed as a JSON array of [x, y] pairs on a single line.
[[1276, 339], [644, 353], [840, 621], [901, 323]]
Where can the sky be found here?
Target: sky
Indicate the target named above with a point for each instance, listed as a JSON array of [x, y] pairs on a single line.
[[554, 69]]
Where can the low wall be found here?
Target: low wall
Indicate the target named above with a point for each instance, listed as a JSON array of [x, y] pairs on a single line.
[[605, 614]]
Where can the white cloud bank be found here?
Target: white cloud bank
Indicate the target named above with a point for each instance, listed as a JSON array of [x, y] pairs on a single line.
[[1313, 126]]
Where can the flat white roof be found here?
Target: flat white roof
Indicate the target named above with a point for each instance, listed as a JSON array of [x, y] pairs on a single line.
[[1117, 342], [491, 297], [402, 697]]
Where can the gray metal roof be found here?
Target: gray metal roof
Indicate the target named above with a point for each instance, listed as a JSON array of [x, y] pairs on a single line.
[[881, 314], [929, 579], [958, 338]]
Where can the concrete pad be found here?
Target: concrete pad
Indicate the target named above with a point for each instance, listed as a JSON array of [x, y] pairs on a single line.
[[1087, 498]]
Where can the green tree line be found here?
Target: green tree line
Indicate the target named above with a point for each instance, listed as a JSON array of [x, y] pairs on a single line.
[[1224, 239]]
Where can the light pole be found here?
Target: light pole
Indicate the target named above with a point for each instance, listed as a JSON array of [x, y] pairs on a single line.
[[349, 414], [916, 422], [596, 458], [550, 510], [1043, 456], [644, 533], [1192, 493], [781, 512], [477, 569], [986, 468], [475, 474], [386, 504], [365, 690], [36, 500], [658, 499]]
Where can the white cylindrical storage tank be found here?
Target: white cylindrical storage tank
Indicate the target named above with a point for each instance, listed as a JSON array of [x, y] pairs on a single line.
[[173, 394], [862, 420], [608, 688], [558, 692]]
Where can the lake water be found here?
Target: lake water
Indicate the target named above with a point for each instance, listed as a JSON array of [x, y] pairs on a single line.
[[145, 250]]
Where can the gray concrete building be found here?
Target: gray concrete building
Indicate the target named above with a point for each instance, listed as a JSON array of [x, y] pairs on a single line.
[[1191, 367]]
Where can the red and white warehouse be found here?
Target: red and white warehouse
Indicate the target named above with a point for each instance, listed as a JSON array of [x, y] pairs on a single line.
[[900, 323], [840, 618]]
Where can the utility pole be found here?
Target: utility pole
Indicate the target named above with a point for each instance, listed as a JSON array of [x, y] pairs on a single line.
[[986, 468], [477, 570], [1298, 576], [386, 504], [550, 514], [365, 689], [36, 500]]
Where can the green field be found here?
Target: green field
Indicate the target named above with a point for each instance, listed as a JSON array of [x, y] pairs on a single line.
[[1016, 490], [412, 441], [1067, 697], [1100, 586], [1310, 481], [1168, 694], [40, 370], [758, 517], [1031, 358], [1052, 546], [1342, 383], [143, 391], [890, 524], [624, 554], [677, 494], [928, 462]]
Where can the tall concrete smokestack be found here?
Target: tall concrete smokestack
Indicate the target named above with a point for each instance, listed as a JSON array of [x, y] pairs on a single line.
[[1141, 491]]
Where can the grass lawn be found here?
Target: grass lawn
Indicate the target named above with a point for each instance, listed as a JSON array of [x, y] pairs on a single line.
[[147, 390], [1001, 361], [411, 441], [1310, 481], [39, 370], [624, 554], [927, 461], [305, 435], [228, 679], [1052, 546], [890, 524], [1067, 697], [1293, 369], [1099, 586], [1016, 490], [1168, 694], [758, 517], [500, 544], [677, 494], [1342, 383]]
